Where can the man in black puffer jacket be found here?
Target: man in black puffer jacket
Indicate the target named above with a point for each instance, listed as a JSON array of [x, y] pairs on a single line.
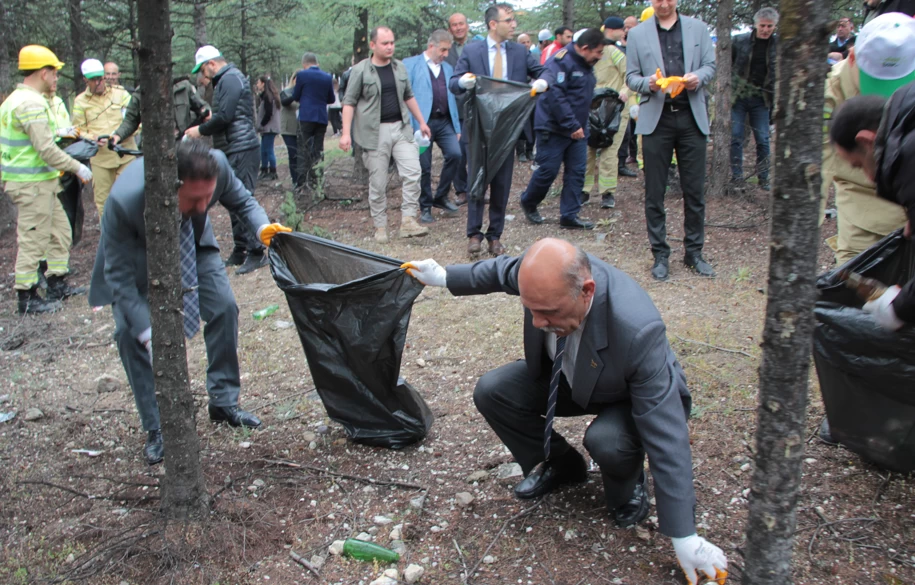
[[232, 127]]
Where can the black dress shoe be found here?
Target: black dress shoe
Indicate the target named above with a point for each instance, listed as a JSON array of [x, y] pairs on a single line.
[[446, 204], [627, 172], [252, 263], [233, 415], [426, 216], [585, 197], [575, 223], [522, 158], [532, 215], [460, 199], [237, 257], [549, 475], [636, 509], [153, 449], [699, 266], [607, 201], [661, 268]]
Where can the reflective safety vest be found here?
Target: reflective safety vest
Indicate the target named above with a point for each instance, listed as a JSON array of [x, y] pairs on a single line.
[[60, 117], [19, 161]]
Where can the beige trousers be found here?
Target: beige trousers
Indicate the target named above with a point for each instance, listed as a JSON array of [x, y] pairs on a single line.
[[102, 180], [43, 231], [394, 140]]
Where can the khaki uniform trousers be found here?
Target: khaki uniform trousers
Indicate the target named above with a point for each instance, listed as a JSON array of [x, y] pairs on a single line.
[[394, 140], [102, 180], [607, 162], [43, 231]]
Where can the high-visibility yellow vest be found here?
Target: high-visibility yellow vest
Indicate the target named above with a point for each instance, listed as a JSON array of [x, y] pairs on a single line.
[[19, 161], [60, 117]]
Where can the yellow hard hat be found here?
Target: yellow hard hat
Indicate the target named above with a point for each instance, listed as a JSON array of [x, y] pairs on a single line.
[[646, 14], [34, 57]]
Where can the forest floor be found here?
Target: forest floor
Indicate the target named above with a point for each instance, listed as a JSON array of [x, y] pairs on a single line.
[[298, 484]]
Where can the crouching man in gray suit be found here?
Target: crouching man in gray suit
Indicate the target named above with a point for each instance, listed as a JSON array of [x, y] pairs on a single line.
[[119, 278], [594, 344]]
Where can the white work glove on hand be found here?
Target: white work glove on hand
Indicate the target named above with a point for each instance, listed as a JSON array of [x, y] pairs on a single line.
[[429, 272], [634, 112], [882, 309], [467, 81], [694, 554], [539, 86], [69, 132], [146, 339], [84, 174]]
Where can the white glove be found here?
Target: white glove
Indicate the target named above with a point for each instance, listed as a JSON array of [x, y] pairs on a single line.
[[882, 309], [539, 86], [429, 272], [694, 554], [634, 112], [146, 339], [69, 132], [467, 81], [84, 174]]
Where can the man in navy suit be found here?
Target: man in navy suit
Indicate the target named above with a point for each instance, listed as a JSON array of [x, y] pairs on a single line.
[[502, 59], [314, 90]]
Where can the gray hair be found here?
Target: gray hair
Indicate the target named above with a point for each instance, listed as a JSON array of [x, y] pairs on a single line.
[[577, 272], [767, 13], [439, 36], [310, 59]]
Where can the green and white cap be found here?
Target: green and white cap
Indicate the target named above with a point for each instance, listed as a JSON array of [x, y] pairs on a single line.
[[204, 54], [92, 68], [885, 54]]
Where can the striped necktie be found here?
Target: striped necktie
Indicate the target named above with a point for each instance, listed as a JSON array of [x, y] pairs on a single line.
[[189, 279], [554, 392]]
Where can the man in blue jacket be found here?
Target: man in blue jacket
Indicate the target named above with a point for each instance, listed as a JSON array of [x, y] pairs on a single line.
[[429, 74], [500, 58], [314, 90], [561, 124]]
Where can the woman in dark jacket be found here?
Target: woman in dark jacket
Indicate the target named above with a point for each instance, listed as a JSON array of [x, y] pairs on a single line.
[[268, 124]]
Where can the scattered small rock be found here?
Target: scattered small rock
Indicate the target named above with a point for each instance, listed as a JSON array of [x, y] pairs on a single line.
[[309, 436], [382, 520], [399, 547], [421, 363], [7, 416], [33, 414], [418, 501], [507, 470], [323, 430], [340, 441], [413, 573], [392, 573], [70, 558], [569, 535], [365, 536], [120, 511], [477, 476], [317, 561], [244, 444], [336, 548], [384, 580], [642, 533], [313, 445], [369, 489], [489, 559], [107, 383], [4, 398], [283, 324], [373, 530], [745, 467], [396, 533], [464, 499], [258, 482]]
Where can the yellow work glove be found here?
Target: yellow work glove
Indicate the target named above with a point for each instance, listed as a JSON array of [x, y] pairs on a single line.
[[268, 231], [673, 85]]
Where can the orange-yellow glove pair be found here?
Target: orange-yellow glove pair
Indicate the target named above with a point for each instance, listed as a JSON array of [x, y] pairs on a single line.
[[268, 231], [673, 85]]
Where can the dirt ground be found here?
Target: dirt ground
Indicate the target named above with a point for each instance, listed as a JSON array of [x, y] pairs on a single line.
[[298, 484]]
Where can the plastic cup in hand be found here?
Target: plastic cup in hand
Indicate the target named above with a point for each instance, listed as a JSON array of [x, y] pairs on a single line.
[[421, 141]]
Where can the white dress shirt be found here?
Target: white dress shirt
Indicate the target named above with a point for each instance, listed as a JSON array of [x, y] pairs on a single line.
[[570, 354], [435, 67], [492, 56]]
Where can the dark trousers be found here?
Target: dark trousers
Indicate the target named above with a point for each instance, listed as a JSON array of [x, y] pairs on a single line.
[[499, 189], [460, 179], [758, 111], [310, 151], [629, 145], [554, 150], [220, 333], [245, 165], [335, 116], [676, 130], [514, 405], [445, 137], [291, 141]]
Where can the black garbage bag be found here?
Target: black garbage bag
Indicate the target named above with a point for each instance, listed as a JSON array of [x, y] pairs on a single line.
[[605, 117], [71, 188], [495, 115], [867, 374], [352, 309]]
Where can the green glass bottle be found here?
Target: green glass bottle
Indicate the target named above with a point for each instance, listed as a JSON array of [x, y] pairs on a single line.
[[264, 313], [368, 551]]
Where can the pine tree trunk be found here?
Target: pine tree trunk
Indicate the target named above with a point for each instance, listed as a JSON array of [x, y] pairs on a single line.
[[360, 53], [719, 177], [132, 26], [183, 490], [568, 13], [6, 82], [794, 238], [200, 24], [77, 50]]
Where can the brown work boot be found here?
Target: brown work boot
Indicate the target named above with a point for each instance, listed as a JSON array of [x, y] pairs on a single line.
[[381, 235], [410, 228], [474, 245], [495, 247]]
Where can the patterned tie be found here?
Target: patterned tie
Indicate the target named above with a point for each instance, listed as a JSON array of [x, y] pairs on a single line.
[[189, 280], [497, 63], [554, 392]]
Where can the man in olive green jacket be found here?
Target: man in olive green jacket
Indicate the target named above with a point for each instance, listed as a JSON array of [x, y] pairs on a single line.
[[190, 110]]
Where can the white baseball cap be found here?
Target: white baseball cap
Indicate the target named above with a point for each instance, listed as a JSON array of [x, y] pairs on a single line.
[[885, 54], [92, 68], [544, 35], [204, 54], [577, 34]]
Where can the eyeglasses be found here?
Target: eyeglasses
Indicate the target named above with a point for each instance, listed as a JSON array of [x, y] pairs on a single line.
[[512, 19]]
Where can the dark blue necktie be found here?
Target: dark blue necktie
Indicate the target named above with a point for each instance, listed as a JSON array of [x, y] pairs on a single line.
[[554, 393], [189, 280]]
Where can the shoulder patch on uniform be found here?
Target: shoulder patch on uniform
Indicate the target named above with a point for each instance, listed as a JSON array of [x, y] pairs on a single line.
[[560, 77], [560, 54]]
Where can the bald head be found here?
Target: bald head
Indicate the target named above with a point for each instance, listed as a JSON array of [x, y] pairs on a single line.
[[555, 285], [457, 26]]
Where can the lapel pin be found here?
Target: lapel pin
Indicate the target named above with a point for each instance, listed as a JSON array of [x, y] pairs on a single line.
[[593, 364]]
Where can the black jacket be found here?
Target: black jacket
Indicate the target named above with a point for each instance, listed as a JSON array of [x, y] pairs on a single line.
[[835, 48], [741, 54], [903, 6], [189, 109], [232, 122], [895, 153]]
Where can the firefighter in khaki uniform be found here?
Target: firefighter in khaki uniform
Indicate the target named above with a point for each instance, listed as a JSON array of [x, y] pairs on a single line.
[[863, 218], [31, 162], [99, 111], [610, 72]]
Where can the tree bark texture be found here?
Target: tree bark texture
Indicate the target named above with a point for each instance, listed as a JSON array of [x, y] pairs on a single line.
[[184, 494], [6, 82], [77, 49], [720, 174], [789, 324], [361, 37], [568, 13], [200, 24]]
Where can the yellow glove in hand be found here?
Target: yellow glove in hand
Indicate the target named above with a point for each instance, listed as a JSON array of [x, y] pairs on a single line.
[[673, 85], [270, 230]]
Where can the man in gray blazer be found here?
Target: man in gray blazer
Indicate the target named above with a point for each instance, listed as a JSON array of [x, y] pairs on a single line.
[[594, 344], [677, 46], [119, 278]]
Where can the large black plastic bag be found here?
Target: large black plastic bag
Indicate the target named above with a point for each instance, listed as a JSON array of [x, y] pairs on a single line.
[[71, 188], [495, 116], [352, 309], [605, 117], [867, 374]]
